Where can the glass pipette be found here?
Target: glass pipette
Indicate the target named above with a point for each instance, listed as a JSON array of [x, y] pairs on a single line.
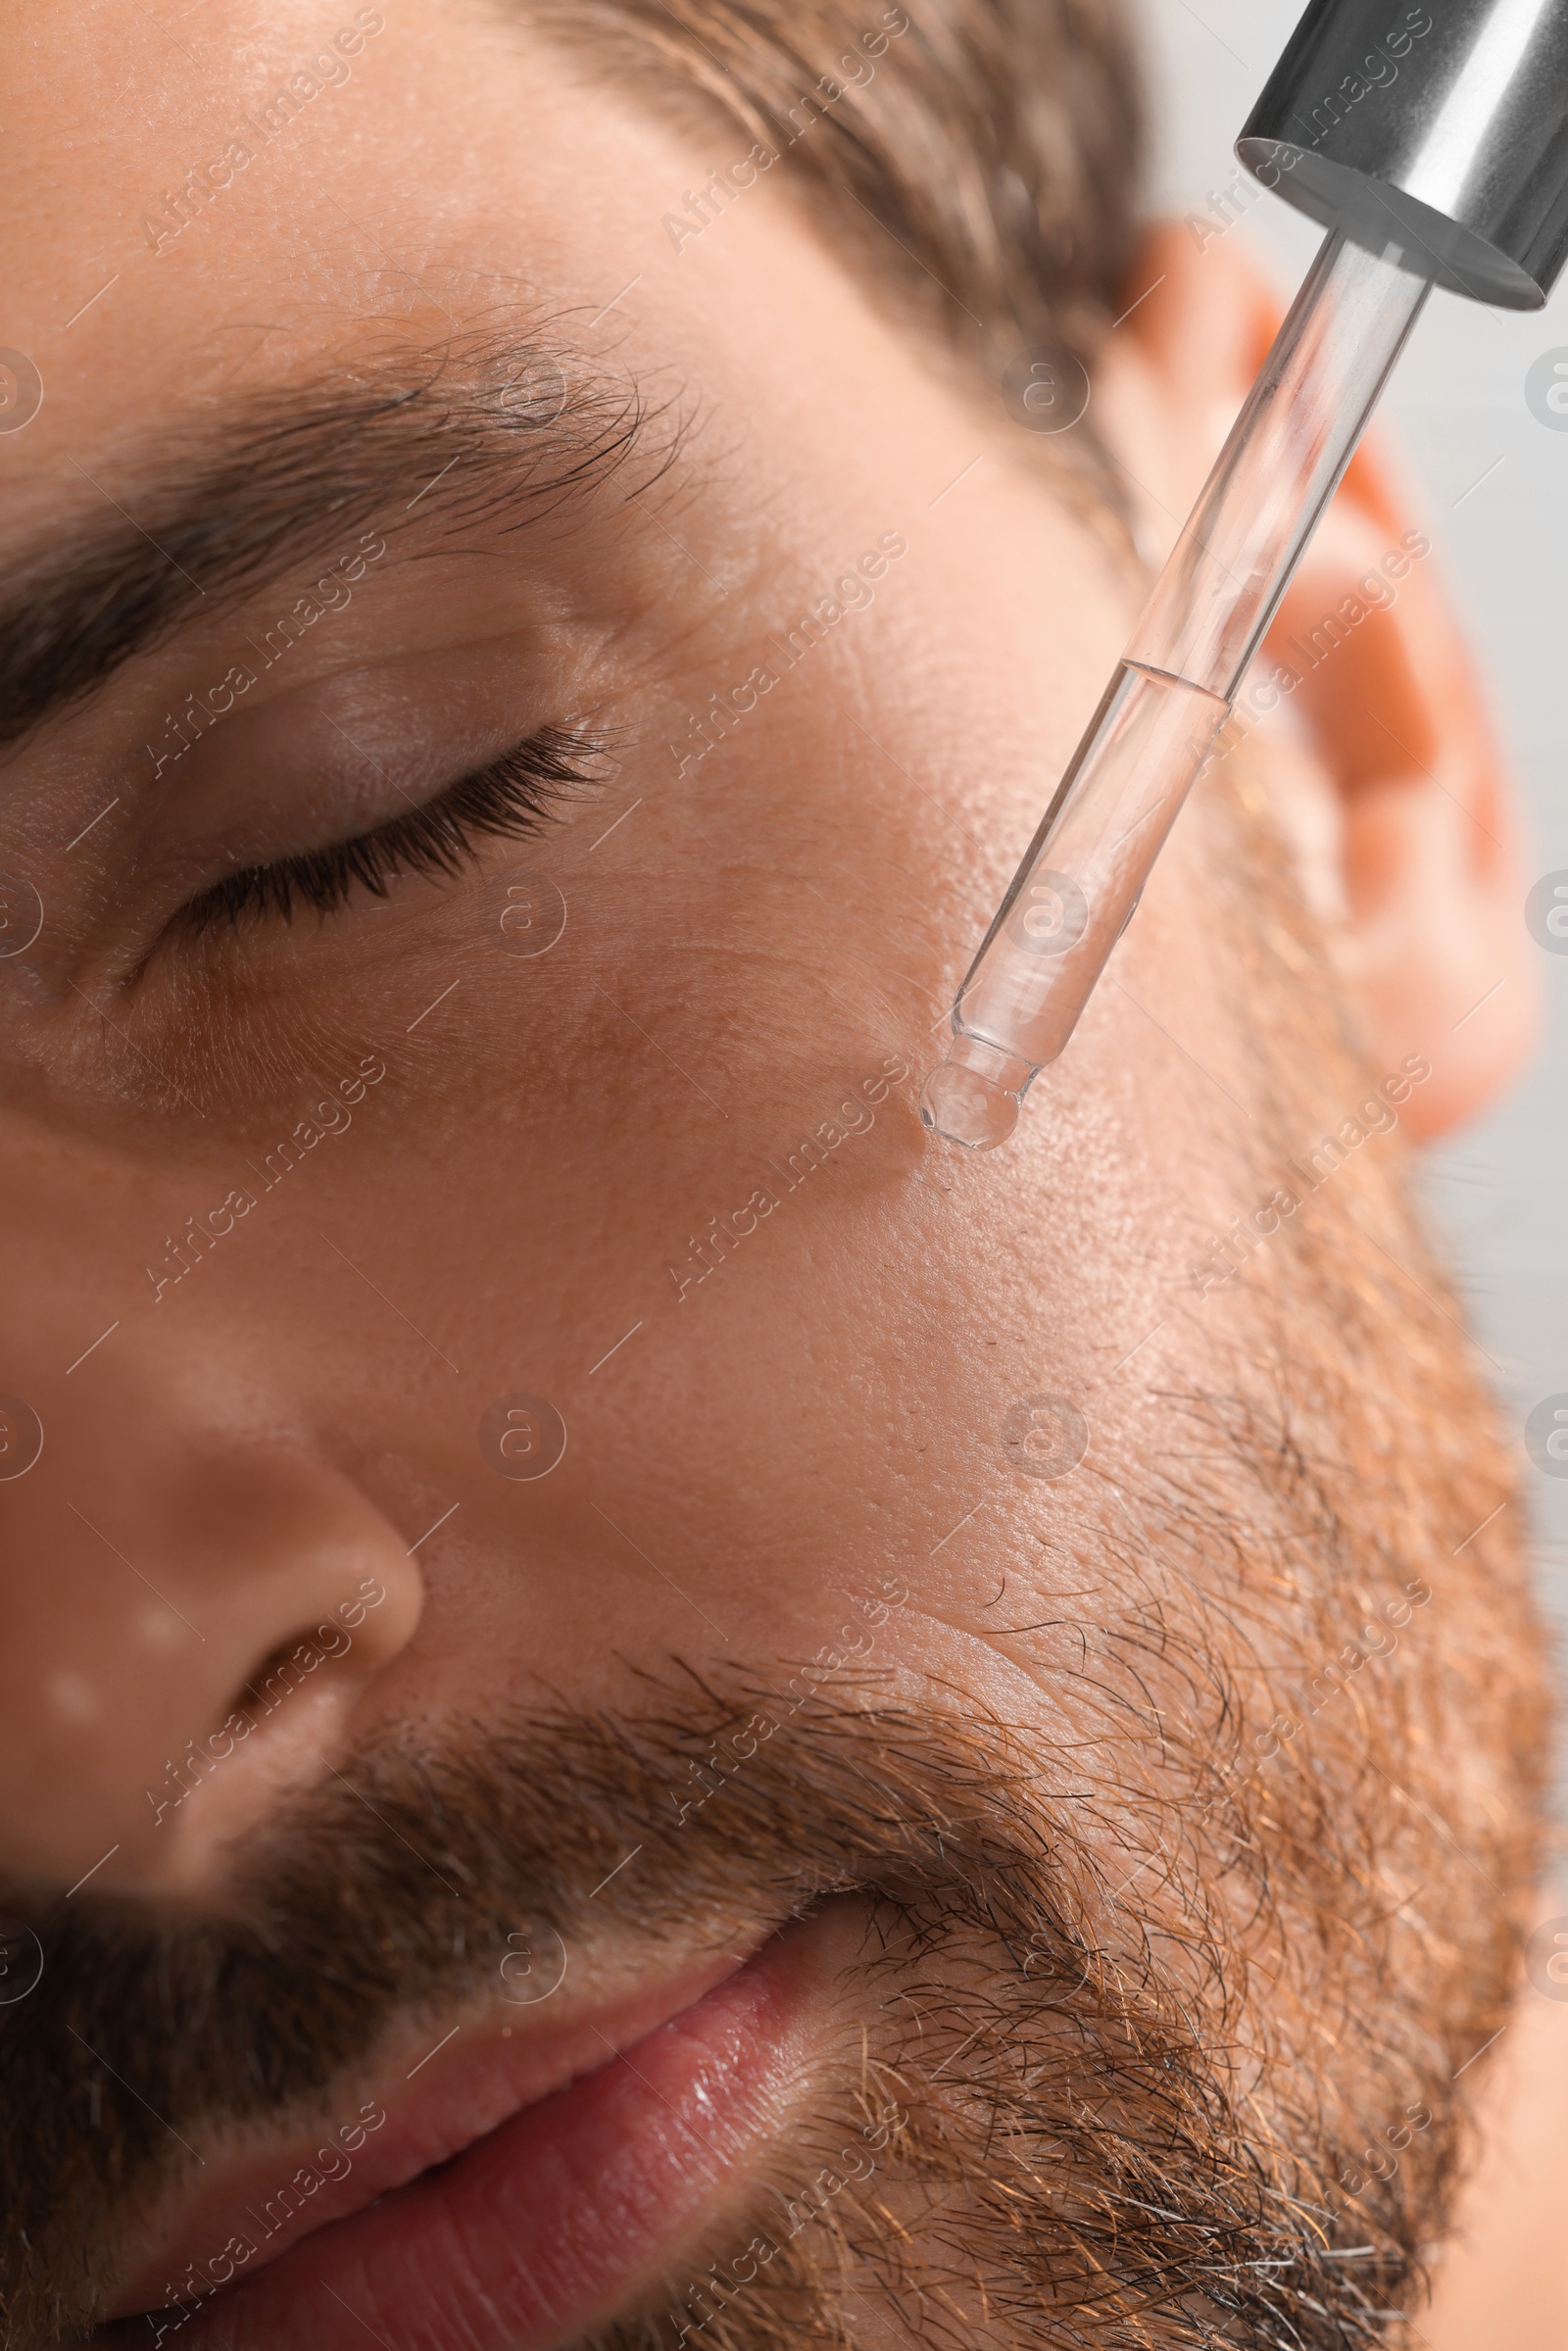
[[1080, 883]]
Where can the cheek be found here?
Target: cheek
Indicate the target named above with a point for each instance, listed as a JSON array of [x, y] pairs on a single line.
[[773, 1416], [748, 1457]]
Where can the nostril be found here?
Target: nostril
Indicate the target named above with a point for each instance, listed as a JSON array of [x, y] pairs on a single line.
[[215, 1622], [287, 1686], [297, 1663]]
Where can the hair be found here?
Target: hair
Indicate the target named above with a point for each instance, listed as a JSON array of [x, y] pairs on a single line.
[[983, 165]]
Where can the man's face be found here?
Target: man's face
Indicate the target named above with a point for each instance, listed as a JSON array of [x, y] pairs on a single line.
[[638, 1702]]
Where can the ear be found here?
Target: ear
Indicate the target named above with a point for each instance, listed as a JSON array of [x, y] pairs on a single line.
[[1390, 778]]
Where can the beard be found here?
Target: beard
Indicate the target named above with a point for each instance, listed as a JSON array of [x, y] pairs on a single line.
[[1130, 2045], [1163, 1996]]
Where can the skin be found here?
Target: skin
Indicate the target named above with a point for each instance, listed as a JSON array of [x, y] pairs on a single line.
[[767, 996], [768, 933]]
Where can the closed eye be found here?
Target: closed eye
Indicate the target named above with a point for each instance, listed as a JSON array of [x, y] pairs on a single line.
[[514, 796]]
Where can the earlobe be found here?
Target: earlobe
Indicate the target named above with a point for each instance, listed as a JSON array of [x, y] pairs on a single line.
[[1367, 677]]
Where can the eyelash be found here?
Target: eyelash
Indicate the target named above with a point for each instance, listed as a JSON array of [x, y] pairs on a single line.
[[515, 796]]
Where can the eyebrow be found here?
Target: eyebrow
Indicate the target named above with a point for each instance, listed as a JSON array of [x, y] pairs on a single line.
[[485, 429]]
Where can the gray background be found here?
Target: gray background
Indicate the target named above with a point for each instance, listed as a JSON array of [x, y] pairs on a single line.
[[1498, 1191]]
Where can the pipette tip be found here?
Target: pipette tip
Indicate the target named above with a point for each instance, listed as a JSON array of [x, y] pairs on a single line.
[[975, 1097]]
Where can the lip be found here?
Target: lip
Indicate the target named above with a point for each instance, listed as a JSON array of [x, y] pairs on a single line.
[[523, 2194]]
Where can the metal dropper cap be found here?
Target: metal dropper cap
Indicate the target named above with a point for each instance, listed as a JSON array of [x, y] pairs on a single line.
[[1439, 130]]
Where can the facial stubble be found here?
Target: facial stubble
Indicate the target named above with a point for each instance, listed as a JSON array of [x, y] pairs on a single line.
[[1143, 1977]]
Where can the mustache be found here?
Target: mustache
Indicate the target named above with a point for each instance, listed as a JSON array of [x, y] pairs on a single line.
[[405, 1884], [426, 1873]]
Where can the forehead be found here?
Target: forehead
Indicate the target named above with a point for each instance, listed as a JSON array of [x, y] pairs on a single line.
[[262, 199], [264, 203], [212, 201]]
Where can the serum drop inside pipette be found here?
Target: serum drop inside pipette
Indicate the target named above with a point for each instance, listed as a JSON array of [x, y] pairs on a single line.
[[1084, 873], [1432, 150]]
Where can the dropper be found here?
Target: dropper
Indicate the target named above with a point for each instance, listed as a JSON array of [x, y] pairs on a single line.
[[1437, 152]]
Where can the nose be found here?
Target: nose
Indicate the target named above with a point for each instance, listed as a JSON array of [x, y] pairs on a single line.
[[197, 1607]]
